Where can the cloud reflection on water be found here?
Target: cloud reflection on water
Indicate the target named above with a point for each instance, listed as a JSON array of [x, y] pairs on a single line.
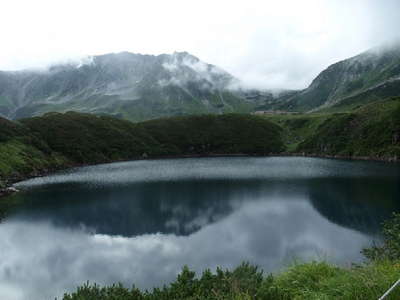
[[44, 260]]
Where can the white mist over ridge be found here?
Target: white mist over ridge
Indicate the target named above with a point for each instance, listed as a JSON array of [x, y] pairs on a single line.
[[212, 76], [264, 44], [126, 85]]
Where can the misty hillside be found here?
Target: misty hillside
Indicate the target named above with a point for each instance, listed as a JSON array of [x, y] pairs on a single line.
[[141, 87], [131, 86], [372, 75]]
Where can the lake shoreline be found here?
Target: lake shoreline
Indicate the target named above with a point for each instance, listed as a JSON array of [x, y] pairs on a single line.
[[8, 183], [389, 159]]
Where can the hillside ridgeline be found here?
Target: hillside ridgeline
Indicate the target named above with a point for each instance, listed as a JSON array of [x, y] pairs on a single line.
[[351, 83], [126, 85], [372, 131], [41, 144], [369, 132], [54, 141]]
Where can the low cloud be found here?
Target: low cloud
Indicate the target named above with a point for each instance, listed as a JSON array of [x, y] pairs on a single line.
[[265, 44], [184, 68]]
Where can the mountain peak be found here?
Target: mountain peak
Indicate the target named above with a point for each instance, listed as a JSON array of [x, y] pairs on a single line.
[[134, 86]]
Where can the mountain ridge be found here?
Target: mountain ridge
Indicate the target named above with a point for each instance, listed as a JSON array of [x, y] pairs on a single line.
[[139, 87], [132, 86], [365, 73]]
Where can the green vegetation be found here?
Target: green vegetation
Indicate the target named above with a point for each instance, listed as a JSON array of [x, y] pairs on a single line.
[[369, 96], [370, 131], [353, 121], [53, 141], [156, 106], [225, 134], [314, 280], [390, 247], [58, 140], [86, 138], [21, 152], [351, 83], [298, 127]]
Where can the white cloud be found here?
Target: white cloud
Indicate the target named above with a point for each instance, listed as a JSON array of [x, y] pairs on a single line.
[[59, 259], [265, 43]]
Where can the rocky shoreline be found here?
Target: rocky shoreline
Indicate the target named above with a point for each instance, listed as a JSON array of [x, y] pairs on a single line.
[[6, 184], [7, 191]]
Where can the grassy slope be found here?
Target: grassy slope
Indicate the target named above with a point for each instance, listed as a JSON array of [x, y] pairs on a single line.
[[23, 153], [91, 139], [352, 103], [298, 127], [372, 131], [148, 108], [59, 140], [151, 106]]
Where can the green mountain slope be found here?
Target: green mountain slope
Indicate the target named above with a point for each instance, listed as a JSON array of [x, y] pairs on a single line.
[[57, 140], [21, 152], [371, 131], [353, 82]]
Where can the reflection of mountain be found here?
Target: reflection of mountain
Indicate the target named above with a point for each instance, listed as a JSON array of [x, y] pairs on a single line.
[[185, 206], [358, 203], [167, 207]]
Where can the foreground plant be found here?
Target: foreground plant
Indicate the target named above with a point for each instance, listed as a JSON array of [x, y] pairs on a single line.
[[313, 280]]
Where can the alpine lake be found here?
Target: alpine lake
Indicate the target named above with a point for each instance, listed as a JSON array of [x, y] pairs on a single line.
[[140, 222]]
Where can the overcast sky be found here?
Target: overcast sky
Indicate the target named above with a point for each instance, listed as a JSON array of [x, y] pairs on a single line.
[[266, 44]]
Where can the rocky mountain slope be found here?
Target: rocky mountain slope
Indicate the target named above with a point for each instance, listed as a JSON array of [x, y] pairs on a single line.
[[353, 82], [141, 87], [131, 86]]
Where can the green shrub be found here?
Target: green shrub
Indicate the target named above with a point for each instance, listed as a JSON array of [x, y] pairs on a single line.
[[241, 283], [390, 247], [313, 280]]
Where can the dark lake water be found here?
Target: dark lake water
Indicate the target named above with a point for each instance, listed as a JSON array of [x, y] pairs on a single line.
[[140, 222]]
